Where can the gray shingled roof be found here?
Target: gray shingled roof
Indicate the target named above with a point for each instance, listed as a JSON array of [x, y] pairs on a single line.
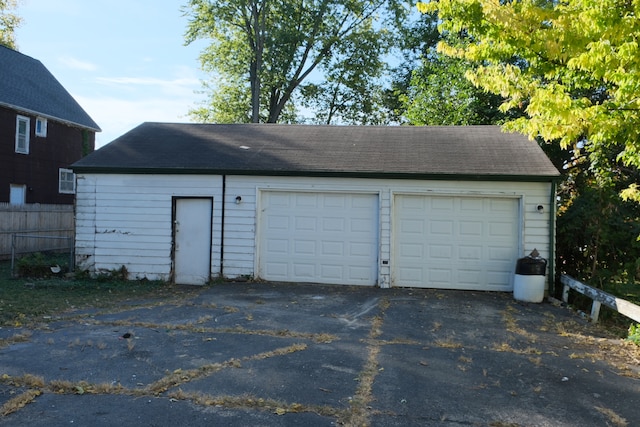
[[367, 151], [26, 85]]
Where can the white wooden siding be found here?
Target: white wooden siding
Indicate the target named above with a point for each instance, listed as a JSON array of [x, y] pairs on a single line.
[[126, 220], [117, 213]]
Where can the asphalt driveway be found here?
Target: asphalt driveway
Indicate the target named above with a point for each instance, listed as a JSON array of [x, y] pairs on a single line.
[[277, 354]]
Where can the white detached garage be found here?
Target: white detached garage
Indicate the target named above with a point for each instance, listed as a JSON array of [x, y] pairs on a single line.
[[440, 207]]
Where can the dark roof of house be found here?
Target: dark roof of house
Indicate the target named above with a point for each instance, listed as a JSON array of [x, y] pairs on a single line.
[[309, 150], [26, 85]]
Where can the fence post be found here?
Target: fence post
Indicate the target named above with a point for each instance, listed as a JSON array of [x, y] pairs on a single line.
[[72, 257], [595, 310], [13, 252]]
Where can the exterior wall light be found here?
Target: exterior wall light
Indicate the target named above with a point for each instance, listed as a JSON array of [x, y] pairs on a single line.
[[238, 200]]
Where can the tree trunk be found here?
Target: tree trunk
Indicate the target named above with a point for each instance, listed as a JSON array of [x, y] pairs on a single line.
[[256, 65]]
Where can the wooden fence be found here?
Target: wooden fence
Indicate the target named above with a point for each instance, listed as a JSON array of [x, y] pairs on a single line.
[[49, 227], [599, 297]]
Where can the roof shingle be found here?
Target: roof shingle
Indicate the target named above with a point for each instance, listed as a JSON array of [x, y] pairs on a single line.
[[273, 149], [26, 85]]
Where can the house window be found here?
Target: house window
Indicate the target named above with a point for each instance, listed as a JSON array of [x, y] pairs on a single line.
[[22, 134], [17, 194], [41, 127], [66, 181]]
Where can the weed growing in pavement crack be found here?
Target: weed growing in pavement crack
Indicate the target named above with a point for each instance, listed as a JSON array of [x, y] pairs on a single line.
[[360, 409], [21, 337], [19, 401]]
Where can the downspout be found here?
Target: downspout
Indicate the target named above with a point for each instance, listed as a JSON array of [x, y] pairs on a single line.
[[552, 239], [224, 198]]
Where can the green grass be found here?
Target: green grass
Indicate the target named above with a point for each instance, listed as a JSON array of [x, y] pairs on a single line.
[[26, 300]]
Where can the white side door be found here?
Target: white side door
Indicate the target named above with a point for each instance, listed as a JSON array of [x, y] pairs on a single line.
[[192, 240]]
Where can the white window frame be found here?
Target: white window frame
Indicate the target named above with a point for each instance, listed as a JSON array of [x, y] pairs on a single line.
[[22, 140], [41, 127], [63, 178]]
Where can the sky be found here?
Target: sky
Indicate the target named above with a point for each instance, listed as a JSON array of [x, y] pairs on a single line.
[[124, 61]]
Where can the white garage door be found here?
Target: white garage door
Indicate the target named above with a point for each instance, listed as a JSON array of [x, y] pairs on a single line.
[[318, 237], [454, 242]]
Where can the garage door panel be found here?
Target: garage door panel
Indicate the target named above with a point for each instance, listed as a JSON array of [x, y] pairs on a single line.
[[463, 242], [305, 247], [499, 253], [280, 200], [305, 223], [360, 250], [441, 227], [411, 226], [333, 224], [334, 201], [501, 205], [362, 225], [438, 276], [278, 270], [470, 228], [497, 278], [278, 223], [360, 201], [468, 277], [501, 230], [332, 272], [471, 205], [302, 270], [305, 200], [278, 246], [414, 250], [334, 240], [440, 205], [444, 252], [470, 253], [332, 248]]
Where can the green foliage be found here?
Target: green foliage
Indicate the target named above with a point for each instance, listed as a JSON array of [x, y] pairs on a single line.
[[634, 333], [39, 264], [435, 90], [262, 51], [9, 21], [351, 92], [440, 94], [597, 234], [574, 66]]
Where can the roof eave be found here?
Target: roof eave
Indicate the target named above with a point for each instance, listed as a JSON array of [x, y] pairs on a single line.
[[327, 174], [49, 117]]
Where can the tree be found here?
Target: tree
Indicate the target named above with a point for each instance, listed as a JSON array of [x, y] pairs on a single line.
[[574, 66], [268, 48], [431, 88], [351, 92], [9, 21], [439, 94]]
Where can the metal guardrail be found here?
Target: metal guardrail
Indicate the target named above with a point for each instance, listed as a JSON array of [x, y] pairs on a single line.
[[599, 297]]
